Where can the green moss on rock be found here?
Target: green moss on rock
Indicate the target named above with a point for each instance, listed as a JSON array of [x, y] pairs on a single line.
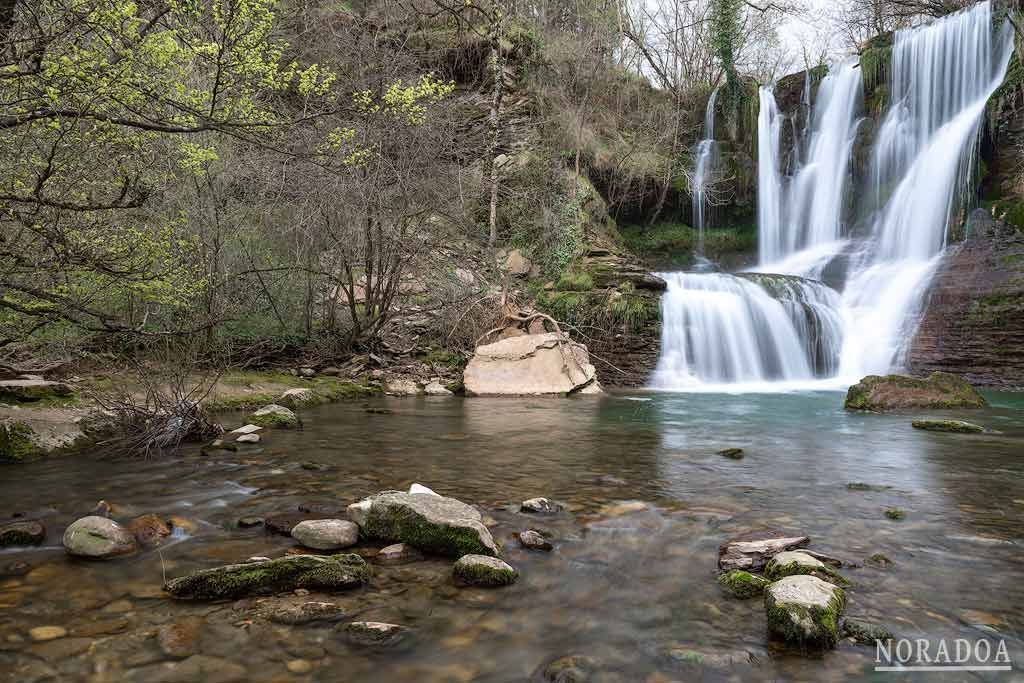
[[336, 572], [804, 610], [864, 633], [742, 584], [484, 571], [274, 417], [796, 563], [876, 393], [954, 426], [16, 442]]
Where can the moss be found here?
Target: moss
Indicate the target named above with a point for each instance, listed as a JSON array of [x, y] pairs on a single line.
[[895, 514], [484, 571], [742, 584], [806, 626], [336, 572], [676, 240], [865, 634], [16, 442], [22, 533], [400, 523], [938, 390], [775, 571], [955, 426], [879, 560], [575, 281], [274, 420], [436, 356]]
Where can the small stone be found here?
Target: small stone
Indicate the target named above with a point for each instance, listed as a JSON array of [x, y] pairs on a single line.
[[864, 633], [484, 571], [274, 416], [307, 372], [22, 533], [305, 613], [180, 639], [895, 514], [540, 505], [732, 453], [43, 633], [805, 610], [742, 584], [752, 551], [436, 389], [299, 666], [398, 553], [533, 540], [149, 530], [313, 466], [879, 560], [952, 426], [326, 534], [247, 429], [374, 633], [248, 438], [249, 522], [99, 538]]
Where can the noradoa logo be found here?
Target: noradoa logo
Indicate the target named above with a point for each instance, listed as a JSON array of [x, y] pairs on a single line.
[[906, 655]]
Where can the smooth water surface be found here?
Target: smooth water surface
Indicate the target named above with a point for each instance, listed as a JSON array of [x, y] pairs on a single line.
[[630, 585]]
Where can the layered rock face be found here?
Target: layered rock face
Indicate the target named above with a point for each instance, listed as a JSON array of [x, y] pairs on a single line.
[[529, 365], [973, 325]]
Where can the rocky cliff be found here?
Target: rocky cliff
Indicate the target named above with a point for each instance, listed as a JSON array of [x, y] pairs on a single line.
[[974, 321]]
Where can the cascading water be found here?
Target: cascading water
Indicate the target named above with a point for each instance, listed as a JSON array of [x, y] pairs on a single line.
[[704, 171], [752, 329]]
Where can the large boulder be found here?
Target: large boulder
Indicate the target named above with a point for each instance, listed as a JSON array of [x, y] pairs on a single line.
[[529, 365], [875, 393], [432, 523], [98, 538], [804, 610], [333, 573]]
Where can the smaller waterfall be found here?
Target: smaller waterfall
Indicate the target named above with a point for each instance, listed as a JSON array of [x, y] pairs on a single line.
[[769, 177], [704, 170]]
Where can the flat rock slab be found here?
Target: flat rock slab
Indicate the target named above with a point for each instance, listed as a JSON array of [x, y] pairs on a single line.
[[953, 426], [752, 551], [314, 572], [29, 390], [432, 523], [531, 364], [804, 610], [304, 613]]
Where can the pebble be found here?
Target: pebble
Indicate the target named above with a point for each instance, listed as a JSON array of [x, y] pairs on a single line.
[[300, 666], [44, 633]]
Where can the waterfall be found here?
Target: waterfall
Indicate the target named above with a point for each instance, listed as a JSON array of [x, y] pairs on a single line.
[[755, 328], [706, 156]]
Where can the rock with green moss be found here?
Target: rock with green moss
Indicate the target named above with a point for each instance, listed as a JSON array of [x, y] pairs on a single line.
[[298, 397], [429, 522], [895, 514], [954, 426], [865, 633], [17, 441], [22, 533], [804, 610], [98, 538], [484, 571], [875, 393], [31, 390], [792, 563], [313, 572], [741, 584], [274, 416]]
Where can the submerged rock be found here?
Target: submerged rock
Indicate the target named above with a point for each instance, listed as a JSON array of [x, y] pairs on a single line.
[[484, 571], [374, 633], [336, 572], [326, 534], [99, 538], [896, 392], [540, 506], [753, 550], [398, 553], [531, 364], [955, 426], [22, 533], [274, 416], [794, 562], [149, 530], [804, 610], [569, 669], [865, 633], [180, 639], [427, 521], [248, 438], [732, 453], [741, 584], [533, 540], [305, 613]]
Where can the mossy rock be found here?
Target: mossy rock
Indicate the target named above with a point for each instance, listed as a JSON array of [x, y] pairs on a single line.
[[22, 533], [17, 442], [274, 416], [793, 563], [484, 571], [953, 426], [32, 390], [804, 610], [876, 393], [865, 633], [741, 584], [315, 572]]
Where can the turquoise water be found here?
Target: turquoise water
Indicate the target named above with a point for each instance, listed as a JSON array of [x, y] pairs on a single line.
[[631, 582]]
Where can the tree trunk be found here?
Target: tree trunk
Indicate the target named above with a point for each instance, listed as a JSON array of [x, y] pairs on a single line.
[[494, 123]]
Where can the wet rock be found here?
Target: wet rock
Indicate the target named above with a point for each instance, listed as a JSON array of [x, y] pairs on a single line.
[[879, 560], [283, 522], [569, 669], [895, 514], [22, 533], [431, 523], [530, 365], [249, 438], [862, 486], [804, 610], [314, 466], [219, 445], [793, 562], [401, 387], [741, 584], [304, 613], [299, 666], [706, 659], [337, 572], [533, 540], [865, 633], [897, 392], [296, 398], [180, 639], [540, 506], [326, 534], [398, 553], [99, 538], [18, 568], [374, 633], [732, 453], [274, 416], [953, 426], [43, 633], [247, 429], [31, 390], [148, 530], [188, 526], [752, 551], [249, 522], [106, 627], [195, 668], [483, 571], [436, 389]]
